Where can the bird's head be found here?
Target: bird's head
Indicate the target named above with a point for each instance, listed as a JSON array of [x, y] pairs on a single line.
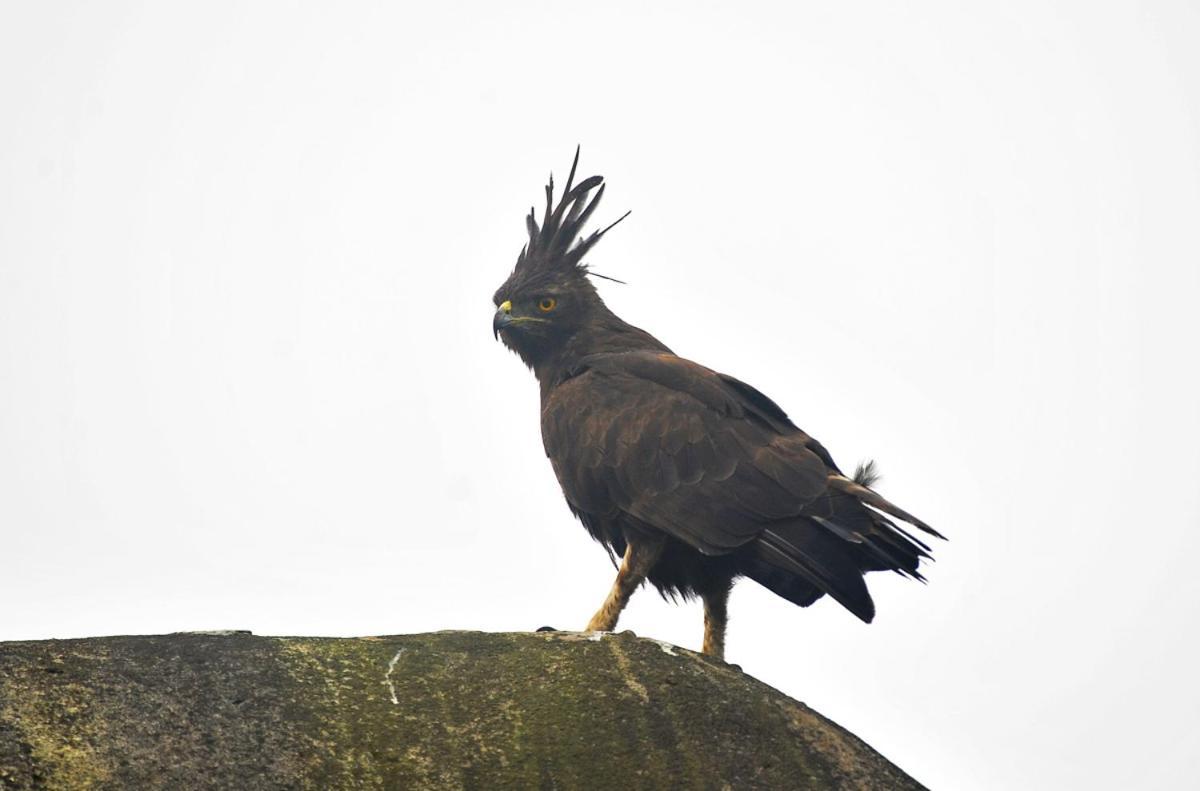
[[548, 297]]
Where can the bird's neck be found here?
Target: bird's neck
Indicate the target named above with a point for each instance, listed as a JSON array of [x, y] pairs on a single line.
[[606, 333]]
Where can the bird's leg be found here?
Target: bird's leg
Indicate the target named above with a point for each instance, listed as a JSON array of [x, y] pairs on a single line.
[[716, 615], [640, 556]]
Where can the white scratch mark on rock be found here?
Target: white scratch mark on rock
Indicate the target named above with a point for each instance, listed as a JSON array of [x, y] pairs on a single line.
[[597, 636], [665, 646], [218, 632], [388, 676]]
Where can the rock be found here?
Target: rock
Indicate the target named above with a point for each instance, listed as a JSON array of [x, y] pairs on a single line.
[[553, 710]]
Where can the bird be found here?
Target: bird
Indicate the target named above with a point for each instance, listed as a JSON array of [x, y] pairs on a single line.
[[692, 478]]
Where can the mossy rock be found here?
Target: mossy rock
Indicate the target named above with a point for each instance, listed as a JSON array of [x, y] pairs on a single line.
[[554, 710]]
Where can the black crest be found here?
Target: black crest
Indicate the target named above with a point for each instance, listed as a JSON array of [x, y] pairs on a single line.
[[556, 245]]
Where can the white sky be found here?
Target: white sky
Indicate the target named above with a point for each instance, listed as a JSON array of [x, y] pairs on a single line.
[[247, 376]]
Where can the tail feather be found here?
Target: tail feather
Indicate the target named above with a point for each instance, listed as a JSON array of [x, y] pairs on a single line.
[[893, 555], [783, 583], [873, 499], [820, 558]]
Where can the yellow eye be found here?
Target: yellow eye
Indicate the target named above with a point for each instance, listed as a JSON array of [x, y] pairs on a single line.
[[546, 304]]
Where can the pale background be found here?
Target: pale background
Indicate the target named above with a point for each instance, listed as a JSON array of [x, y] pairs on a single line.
[[247, 376]]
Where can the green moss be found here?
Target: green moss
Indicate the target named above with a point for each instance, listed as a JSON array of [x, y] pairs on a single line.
[[56, 717]]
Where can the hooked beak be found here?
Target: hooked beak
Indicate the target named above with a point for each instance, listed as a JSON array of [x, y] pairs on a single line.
[[502, 318]]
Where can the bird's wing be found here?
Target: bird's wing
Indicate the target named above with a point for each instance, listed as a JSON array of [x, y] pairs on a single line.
[[696, 454]]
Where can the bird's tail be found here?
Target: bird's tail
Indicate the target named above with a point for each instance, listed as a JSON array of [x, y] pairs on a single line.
[[838, 537]]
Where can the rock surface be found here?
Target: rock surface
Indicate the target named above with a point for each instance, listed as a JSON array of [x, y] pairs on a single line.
[[555, 710]]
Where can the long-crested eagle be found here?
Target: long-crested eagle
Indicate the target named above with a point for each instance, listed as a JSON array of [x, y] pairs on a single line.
[[693, 477]]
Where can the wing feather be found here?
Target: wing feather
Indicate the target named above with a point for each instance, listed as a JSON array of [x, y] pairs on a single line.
[[680, 451]]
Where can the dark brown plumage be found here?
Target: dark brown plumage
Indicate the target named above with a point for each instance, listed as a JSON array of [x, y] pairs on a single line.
[[692, 476]]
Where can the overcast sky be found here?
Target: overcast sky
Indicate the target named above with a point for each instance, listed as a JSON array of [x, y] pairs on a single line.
[[248, 380]]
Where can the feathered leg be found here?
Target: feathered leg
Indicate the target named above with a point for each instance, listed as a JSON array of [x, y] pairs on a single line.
[[641, 553], [716, 615]]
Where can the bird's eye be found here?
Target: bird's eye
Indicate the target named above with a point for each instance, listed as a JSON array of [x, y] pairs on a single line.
[[546, 304]]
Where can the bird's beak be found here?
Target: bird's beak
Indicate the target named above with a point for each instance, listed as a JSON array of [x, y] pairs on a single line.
[[502, 318]]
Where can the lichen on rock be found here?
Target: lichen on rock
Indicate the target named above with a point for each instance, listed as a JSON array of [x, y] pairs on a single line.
[[447, 710]]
